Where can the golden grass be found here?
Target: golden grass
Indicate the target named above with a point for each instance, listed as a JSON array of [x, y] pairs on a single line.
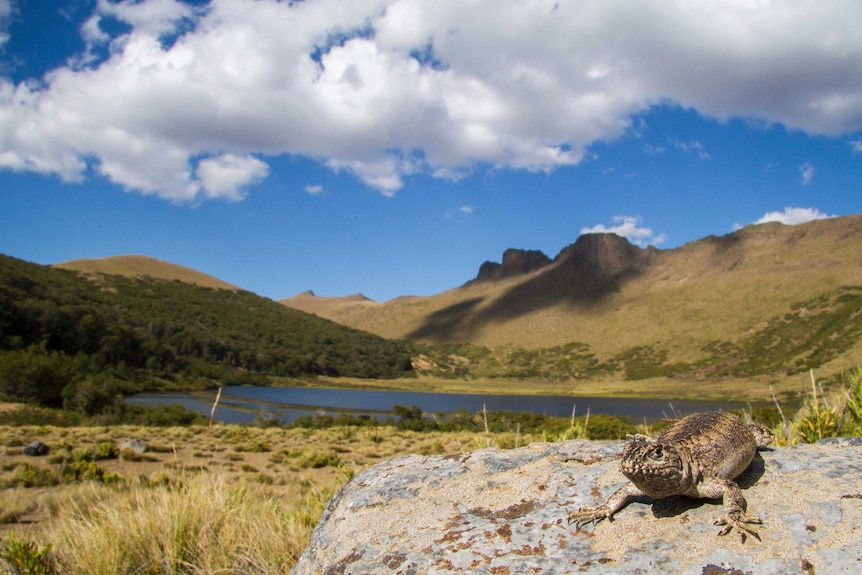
[[206, 524], [140, 266], [756, 389], [712, 289], [213, 499]]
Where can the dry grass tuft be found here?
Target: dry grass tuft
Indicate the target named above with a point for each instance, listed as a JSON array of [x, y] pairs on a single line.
[[205, 525]]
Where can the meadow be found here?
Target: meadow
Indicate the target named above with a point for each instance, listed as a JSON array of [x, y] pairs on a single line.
[[245, 499]]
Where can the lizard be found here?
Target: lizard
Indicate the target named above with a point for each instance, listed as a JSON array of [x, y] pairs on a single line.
[[698, 456]]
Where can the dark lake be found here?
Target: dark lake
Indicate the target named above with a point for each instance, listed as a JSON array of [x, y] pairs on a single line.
[[244, 404]]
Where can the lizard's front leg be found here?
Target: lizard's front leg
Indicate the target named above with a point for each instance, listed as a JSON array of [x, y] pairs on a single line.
[[734, 507], [617, 501]]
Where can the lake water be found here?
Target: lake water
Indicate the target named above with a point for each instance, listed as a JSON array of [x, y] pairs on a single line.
[[244, 404]]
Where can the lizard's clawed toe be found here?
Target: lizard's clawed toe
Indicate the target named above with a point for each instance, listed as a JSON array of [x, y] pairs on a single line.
[[587, 515], [741, 524]]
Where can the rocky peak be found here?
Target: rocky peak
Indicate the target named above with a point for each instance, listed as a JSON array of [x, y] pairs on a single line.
[[602, 253], [515, 262]]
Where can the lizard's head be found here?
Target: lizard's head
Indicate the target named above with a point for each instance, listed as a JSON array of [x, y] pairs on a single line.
[[656, 468]]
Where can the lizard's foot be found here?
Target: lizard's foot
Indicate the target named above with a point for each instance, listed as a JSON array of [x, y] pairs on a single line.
[[586, 515], [741, 522]]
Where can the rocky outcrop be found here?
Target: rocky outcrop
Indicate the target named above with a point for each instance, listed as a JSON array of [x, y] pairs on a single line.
[[603, 253], [502, 512], [515, 263], [590, 256]]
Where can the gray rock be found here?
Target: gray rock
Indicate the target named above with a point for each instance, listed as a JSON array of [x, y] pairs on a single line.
[[502, 512], [136, 445]]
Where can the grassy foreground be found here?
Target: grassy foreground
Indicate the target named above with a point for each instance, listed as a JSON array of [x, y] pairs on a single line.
[[220, 499], [238, 499]]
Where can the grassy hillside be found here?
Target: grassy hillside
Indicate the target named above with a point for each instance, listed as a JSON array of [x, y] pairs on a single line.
[[78, 340], [142, 267], [768, 300], [328, 306]]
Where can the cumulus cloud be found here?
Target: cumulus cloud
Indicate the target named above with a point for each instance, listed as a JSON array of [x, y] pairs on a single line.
[[314, 189], [630, 228], [150, 17], [856, 146], [224, 176], [792, 216], [384, 89], [807, 171]]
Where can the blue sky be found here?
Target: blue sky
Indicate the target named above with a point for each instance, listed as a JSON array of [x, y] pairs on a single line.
[[389, 147]]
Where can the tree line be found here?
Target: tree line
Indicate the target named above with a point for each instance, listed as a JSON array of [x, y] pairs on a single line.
[[75, 341]]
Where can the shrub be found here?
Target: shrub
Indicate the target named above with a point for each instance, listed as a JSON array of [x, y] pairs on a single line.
[[254, 446], [315, 459], [26, 557], [106, 450], [83, 470], [28, 475]]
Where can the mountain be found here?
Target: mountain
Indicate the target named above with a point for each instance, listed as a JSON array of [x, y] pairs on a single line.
[[784, 294], [143, 266], [60, 330]]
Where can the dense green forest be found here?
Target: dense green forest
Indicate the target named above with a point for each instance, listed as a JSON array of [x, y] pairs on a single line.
[[79, 342]]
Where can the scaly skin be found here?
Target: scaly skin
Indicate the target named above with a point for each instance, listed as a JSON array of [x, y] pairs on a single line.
[[699, 456]]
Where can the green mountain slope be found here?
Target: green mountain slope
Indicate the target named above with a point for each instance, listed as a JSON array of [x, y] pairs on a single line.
[[148, 331]]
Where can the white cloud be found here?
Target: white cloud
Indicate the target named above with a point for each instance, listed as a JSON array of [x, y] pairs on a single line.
[[630, 228], [314, 189], [806, 170], [388, 88], [793, 216], [693, 147], [856, 146], [149, 17], [224, 176], [6, 11], [466, 210]]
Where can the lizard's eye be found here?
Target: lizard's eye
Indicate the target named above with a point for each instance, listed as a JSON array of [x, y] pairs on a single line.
[[657, 453]]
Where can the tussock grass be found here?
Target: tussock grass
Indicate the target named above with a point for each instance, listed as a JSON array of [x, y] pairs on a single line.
[[198, 507], [205, 525], [824, 414]]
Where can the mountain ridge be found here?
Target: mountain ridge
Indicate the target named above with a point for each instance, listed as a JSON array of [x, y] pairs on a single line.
[[617, 298], [768, 300]]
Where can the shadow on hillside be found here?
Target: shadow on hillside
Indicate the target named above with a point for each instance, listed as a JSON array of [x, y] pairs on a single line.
[[449, 323], [560, 285]]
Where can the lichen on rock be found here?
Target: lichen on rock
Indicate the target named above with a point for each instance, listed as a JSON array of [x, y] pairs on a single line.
[[494, 511]]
